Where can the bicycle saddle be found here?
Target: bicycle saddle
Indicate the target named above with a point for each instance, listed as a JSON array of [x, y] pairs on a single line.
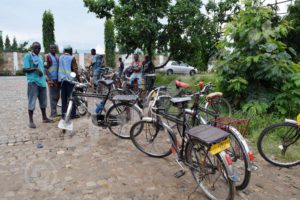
[[177, 100], [180, 84], [208, 135], [214, 95], [106, 82], [107, 76]]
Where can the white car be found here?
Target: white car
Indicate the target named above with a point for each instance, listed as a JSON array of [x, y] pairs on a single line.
[[174, 67]]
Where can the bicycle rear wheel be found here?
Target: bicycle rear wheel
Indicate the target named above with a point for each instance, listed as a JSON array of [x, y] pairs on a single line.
[[220, 106], [120, 117], [279, 144], [151, 139], [209, 172]]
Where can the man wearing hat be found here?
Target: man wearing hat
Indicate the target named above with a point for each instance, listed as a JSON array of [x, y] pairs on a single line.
[[67, 64]]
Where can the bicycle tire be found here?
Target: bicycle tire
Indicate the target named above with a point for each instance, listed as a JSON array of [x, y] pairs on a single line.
[[141, 128], [122, 119], [225, 110], [208, 166], [272, 140]]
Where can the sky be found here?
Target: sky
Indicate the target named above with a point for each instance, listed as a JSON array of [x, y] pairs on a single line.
[[73, 24]]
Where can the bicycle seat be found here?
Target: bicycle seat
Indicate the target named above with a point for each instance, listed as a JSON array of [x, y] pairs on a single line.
[[214, 95], [180, 84], [125, 98], [107, 76], [106, 82], [208, 135], [177, 100]]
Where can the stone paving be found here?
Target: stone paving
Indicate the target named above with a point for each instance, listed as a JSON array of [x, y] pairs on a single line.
[[91, 163]]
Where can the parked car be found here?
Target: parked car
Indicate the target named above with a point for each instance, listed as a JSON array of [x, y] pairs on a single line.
[[174, 67]]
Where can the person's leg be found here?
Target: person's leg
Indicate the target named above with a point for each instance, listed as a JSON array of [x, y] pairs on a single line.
[[32, 93], [64, 99], [43, 103], [139, 77], [53, 93]]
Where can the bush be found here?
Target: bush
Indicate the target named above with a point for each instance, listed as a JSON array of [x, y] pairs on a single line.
[[5, 72]]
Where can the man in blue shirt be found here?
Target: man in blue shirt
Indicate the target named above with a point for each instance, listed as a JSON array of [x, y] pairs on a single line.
[[34, 68], [97, 62]]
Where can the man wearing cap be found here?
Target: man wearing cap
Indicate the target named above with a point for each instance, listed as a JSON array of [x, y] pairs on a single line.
[[51, 66], [34, 68], [67, 64]]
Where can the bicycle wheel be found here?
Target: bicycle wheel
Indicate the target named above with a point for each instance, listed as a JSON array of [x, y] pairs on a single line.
[[82, 106], [239, 155], [220, 106], [102, 89], [279, 144], [209, 172], [120, 117], [151, 139]]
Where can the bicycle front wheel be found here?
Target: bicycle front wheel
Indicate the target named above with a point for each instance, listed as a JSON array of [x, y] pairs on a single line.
[[209, 172], [151, 139], [220, 106], [279, 144], [120, 117]]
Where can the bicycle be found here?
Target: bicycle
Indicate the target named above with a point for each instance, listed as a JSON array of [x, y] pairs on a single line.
[[239, 151], [279, 144], [118, 118], [202, 149]]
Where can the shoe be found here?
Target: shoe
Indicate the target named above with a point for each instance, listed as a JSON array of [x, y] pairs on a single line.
[[32, 125]]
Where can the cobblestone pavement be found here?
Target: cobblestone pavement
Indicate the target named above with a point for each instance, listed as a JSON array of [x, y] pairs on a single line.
[[90, 163]]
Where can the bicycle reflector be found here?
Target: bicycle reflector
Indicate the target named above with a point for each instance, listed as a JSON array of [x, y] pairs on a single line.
[[251, 156], [201, 84], [228, 159]]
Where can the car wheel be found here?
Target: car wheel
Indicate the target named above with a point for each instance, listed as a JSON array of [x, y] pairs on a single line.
[[170, 72], [192, 72]]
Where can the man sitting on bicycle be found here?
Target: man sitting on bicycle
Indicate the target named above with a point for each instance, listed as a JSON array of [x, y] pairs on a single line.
[[136, 67]]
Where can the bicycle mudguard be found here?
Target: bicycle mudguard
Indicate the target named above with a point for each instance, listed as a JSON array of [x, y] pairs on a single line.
[[251, 165], [65, 126], [231, 173]]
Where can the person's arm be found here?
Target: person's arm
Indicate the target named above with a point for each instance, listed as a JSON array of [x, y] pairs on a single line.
[[27, 67], [47, 66]]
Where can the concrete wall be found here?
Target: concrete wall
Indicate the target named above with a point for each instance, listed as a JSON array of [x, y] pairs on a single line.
[[9, 61]]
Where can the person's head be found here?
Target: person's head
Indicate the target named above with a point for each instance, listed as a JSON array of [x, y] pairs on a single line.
[[68, 49], [53, 48], [36, 48], [136, 57], [93, 52], [120, 59]]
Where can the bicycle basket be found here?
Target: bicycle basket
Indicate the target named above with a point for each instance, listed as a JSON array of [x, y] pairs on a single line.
[[240, 124]]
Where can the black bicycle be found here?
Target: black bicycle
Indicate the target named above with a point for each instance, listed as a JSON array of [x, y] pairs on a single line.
[[119, 117], [202, 148], [279, 144]]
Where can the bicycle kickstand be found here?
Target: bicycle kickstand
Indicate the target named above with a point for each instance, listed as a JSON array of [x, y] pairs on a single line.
[[181, 172]]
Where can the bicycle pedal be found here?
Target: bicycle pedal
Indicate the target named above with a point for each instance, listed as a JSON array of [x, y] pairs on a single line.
[[179, 174]]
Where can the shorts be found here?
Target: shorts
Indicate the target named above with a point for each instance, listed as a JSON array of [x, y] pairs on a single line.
[[35, 92]]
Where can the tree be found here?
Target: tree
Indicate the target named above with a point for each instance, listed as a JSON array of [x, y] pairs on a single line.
[[22, 48], [48, 30], [254, 65], [110, 43], [293, 37], [14, 46], [1, 44], [7, 45]]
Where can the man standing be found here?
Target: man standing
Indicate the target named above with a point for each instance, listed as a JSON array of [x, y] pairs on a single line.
[[52, 79], [121, 67], [34, 68], [136, 66], [67, 64], [97, 62]]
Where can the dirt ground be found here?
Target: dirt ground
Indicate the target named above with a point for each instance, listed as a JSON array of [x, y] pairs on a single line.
[[91, 163]]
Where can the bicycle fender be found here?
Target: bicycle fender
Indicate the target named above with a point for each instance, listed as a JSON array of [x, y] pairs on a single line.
[[246, 148], [231, 173]]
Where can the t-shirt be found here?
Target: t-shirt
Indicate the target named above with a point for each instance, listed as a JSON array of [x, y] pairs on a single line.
[[31, 60], [97, 62]]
